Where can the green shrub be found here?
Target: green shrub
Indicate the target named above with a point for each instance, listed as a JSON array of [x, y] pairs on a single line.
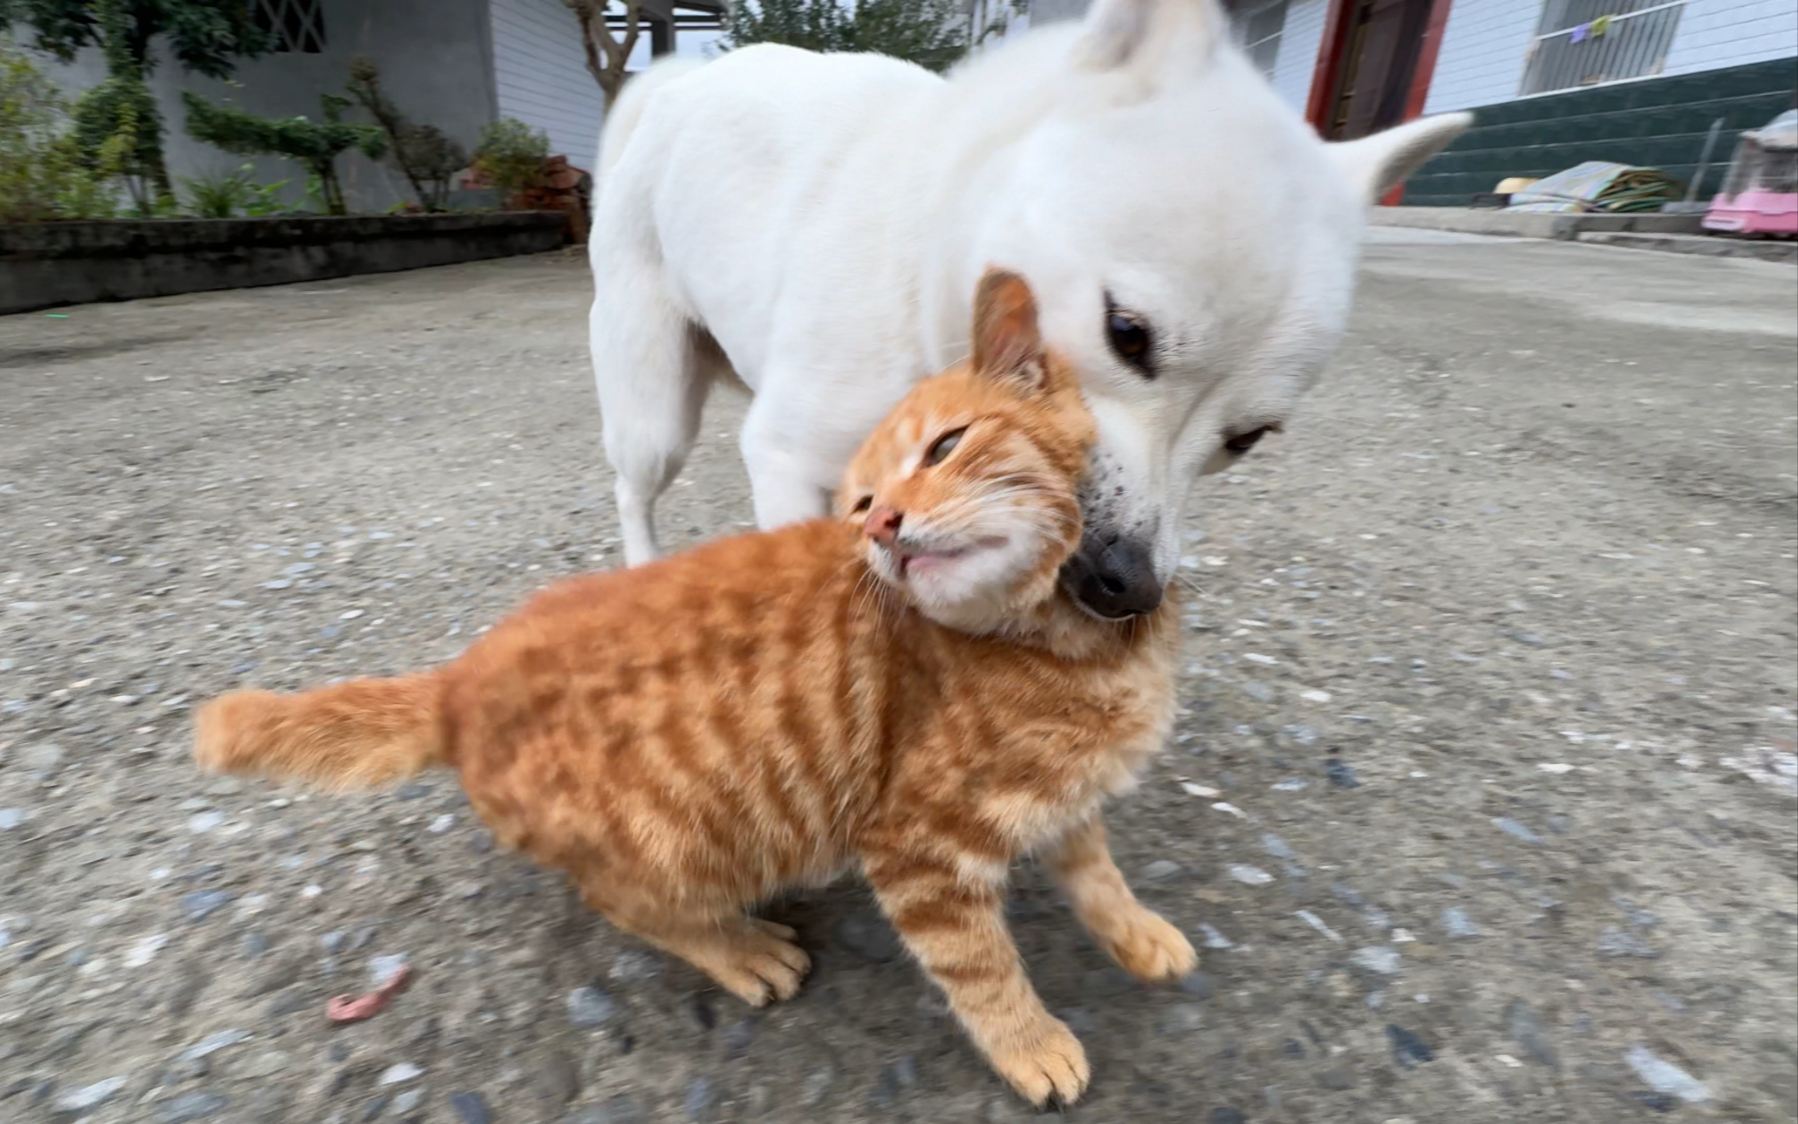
[[511, 156], [46, 172], [315, 145]]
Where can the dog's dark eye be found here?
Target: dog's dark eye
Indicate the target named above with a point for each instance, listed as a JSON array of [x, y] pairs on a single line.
[[1243, 442], [863, 504], [944, 446], [1129, 337]]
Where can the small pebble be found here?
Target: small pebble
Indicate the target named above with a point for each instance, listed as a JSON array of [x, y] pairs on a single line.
[[1340, 774], [636, 966], [1161, 870], [1458, 925], [212, 1043], [203, 903], [1249, 875], [471, 1108], [90, 1096], [1378, 958], [407, 1101], [1226, 1116], [589, 1007], [145, 950], [1408, 1050], [1616, 943], [1511, 827], [698, 1100], [1213, 938], [10, 818], [382, 968], [204, 822], [400, 1073], [197, 1105], [1665, 1077]]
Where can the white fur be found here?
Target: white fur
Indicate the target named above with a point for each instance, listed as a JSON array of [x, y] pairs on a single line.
[[825, 218]]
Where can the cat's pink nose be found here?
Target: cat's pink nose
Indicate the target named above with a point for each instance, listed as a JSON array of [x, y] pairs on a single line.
[[882, 525]]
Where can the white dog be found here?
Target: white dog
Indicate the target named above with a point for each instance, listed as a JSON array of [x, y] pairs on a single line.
[[815, 225]]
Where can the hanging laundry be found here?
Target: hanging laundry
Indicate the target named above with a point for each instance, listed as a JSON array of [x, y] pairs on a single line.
[[1580, 33]]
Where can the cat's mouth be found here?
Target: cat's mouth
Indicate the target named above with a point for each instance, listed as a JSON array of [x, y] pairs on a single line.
[[917, 559]]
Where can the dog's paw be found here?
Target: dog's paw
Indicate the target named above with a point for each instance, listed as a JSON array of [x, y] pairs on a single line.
[[1048, 1063], [1144, 944]]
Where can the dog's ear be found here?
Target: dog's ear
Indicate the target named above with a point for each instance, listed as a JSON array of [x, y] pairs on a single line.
[[1008, 344], [1376, 164], [1139, 34]]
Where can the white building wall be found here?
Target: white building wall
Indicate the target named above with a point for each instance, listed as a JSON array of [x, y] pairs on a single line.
[[1484, 48], [1297, 59], [540, 76], [1719, 33]]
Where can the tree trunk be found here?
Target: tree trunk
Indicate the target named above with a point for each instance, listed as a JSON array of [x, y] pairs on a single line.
[[607, 57]]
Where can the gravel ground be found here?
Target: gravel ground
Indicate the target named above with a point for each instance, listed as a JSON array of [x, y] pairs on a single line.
[[1482, 807]]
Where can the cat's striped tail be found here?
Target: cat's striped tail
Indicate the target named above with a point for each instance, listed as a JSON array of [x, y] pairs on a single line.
[[359, 734]]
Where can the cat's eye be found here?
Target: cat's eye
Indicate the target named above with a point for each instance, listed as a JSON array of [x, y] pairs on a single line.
[[1129, 337], [944, 445], [862, 504], [1240, 443]]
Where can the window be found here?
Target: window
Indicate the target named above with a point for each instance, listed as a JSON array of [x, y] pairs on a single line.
[[1258, 27], [1591, 42], [297, 25]]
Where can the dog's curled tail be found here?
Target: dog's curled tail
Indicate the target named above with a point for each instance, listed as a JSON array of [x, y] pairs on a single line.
[[359, 734]]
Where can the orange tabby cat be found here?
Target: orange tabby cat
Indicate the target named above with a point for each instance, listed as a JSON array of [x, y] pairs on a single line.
[[905, 689]]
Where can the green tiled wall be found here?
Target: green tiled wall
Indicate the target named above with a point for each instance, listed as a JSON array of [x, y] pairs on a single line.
[[1659, 123]]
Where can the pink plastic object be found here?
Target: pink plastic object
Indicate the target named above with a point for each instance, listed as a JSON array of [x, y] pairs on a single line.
[[1754, 212]]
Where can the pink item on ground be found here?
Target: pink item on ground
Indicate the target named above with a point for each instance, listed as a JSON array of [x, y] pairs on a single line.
[[355, 1008]]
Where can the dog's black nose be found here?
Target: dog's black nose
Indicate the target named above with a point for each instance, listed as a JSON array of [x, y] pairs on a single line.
[[1115, 579]]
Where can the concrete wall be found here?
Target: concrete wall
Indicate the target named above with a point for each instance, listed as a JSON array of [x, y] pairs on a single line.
[[436, 63], [1485, 46], [540, 75]]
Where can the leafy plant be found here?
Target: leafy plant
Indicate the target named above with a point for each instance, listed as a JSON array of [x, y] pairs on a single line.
[[315, 145], [205, 37], [43, 173], [264, 199], [511, 155], [427, 156], [219, 195]]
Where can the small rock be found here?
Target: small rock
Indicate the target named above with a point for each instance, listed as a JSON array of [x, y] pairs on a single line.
[[374, 1108], [471, 1108], [816, 1086], [1458, 925], [254, 944], [1162, 870], [1656, 1102], [1379, 959], [1258, 691], [201, 904], [636, 966], [10, 818], [145, 950], [1665, 1077], [1213, 938], [197, 1105], [893, 1082], [399, 1074], [1182, 1018], [1408, 1050], [1526, 1030], [703, 1012], [441, 824], [698, 1100], [90, 1096], [203, 822], [1276, 846], [407, 1101], [1226, 1116], [1512, 828], [1249, 875], [1340, 774], [589, 1007], [1196, 984], [737, 1038], [212, 1043], [1616, 943], [867, 933], [382, 968], [559, 1079]]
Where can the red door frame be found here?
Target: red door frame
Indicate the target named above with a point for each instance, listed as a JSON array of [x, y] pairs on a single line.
[[1329, 67]]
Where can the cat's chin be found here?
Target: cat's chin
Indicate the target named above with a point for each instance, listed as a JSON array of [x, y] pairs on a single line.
[[972, 588]]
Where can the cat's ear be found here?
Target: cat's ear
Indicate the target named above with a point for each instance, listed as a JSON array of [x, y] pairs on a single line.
[[1008, 344]]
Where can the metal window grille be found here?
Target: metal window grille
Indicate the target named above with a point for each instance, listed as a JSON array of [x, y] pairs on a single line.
[[1591, 42], [1258, 28], [297, 25]]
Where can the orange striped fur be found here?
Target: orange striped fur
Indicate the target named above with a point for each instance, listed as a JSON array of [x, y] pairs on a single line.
[[903, 688]]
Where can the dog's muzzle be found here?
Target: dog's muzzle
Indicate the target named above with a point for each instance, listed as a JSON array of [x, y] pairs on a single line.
[[1114, 577]]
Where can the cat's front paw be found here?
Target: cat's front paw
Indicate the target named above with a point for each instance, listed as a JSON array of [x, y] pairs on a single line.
[[1144, 944], [1048, 1063]]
